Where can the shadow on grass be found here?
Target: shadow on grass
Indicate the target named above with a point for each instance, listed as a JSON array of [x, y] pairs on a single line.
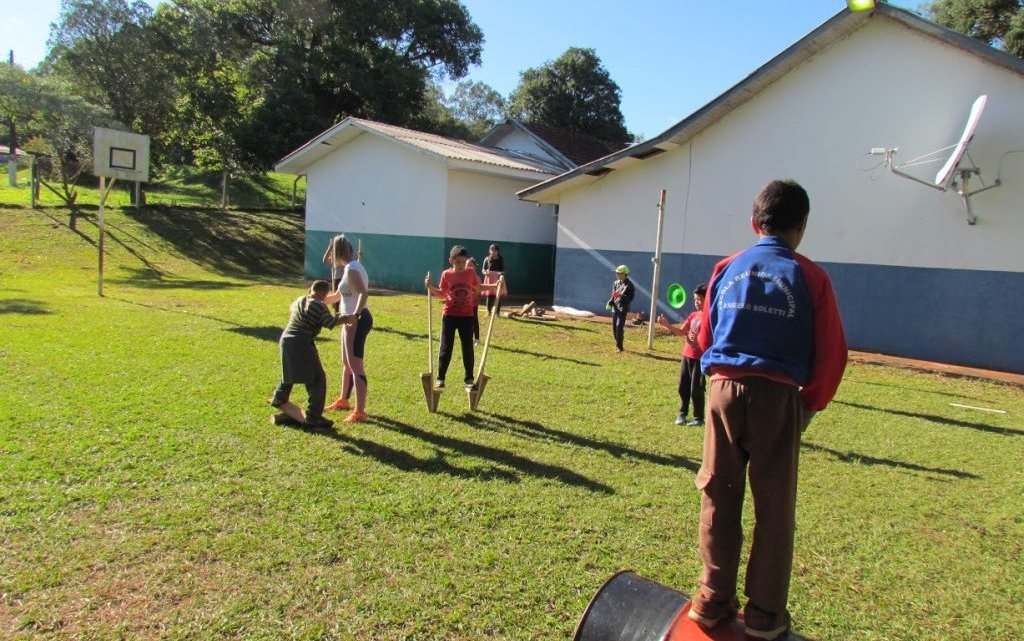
[[531, 429], [918, 390], [942, 420], [23, 306], [655, 357], [407, 462], [232, 242], [496, 455], [152, 278], [265, 332], [415, 336], [861, 459], [550, 322]]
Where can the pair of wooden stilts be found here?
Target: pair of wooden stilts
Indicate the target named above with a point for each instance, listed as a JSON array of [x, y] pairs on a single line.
[[476, 392]]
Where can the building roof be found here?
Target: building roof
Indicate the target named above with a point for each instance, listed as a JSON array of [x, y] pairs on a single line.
[[836, 28], [457, 153], [570, 148]]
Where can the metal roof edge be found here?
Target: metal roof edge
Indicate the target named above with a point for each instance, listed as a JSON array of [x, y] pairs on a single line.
[[838, 26]]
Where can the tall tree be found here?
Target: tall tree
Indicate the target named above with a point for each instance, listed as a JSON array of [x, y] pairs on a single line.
[[994, 22], [309, 63], [477, 105], [574, 92], [105, 50], [17, 98]]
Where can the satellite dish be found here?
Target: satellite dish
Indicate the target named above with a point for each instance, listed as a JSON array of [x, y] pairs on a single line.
[[952, 175], [946, 175]]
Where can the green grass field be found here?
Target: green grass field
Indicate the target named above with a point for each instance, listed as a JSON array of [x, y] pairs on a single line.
[[173, 187], [144, 494]]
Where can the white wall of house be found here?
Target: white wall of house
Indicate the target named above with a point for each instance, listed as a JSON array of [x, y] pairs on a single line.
[[884, 86], [913, 277], [485, 207], [355, 191]]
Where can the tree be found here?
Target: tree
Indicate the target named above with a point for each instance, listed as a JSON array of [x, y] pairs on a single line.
[[17, 98], [309, 63], [574, 92], [62, 123], [477, 105], [994, 22], [104, 49]]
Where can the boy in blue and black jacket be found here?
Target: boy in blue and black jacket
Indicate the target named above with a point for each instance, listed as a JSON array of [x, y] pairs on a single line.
[[622, 296], [775, 350]]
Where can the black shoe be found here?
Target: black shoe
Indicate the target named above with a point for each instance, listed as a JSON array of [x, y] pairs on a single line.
[[440, 383], [470, 385], [320, 423]]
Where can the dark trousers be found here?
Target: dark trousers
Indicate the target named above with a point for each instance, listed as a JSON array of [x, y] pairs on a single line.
[[449, 325], [619, 327], [491, 308], [752, 422], [691, 386], [317, 392]]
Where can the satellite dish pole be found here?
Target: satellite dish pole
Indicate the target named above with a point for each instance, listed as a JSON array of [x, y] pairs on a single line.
[[952, 174]]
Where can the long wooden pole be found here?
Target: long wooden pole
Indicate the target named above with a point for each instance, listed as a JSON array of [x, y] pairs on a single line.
[[657, 271], [430, 334], [490, 326]]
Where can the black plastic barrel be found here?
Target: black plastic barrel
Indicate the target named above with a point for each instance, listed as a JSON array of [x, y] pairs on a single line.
[[629, 607]]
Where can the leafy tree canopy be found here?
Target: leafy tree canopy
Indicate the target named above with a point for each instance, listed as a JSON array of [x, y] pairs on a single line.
[[994, 22], [477, 105], [574, 92]]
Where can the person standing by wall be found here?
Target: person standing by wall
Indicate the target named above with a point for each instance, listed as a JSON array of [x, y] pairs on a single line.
[[494, 268], [623, 292]]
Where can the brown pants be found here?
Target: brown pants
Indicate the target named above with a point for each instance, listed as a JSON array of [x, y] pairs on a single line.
[[750, 421]]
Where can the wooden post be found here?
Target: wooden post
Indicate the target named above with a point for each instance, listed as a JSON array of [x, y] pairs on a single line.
[[359, 250], [657, 271], [105, 188]]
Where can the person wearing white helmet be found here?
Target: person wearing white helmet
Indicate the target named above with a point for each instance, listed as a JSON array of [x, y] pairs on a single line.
[[622, 296]]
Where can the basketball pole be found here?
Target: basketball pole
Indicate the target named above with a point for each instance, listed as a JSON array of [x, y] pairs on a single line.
[[657, 270], [104, 190]]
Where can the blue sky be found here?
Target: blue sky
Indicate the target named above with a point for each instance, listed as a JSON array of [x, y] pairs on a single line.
[[668, 57]]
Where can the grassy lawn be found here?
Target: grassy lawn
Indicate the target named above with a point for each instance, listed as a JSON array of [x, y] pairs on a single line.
[[174, 187], [144, 494]]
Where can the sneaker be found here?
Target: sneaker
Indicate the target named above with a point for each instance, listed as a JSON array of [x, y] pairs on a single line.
[[338, 405], [440, 383], [753, 614], [355, 417], [476, 341], [282, 419], [778, 634], [318, 423], [681, 420], [703, 621], [694, 422]]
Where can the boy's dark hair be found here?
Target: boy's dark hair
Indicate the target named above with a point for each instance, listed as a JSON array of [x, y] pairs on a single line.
[[700, 290], [458, 250], [320, 287], [780, 206]]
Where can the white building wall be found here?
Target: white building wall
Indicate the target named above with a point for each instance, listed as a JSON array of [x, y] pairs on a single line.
[[486, 208], [884, 86], [377, 186]]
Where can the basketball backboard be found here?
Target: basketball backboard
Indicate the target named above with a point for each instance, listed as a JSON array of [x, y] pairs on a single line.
[[120, 154]]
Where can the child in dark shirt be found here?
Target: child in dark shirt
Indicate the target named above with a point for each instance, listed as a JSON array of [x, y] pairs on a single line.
[[300, 360], [623, 291]]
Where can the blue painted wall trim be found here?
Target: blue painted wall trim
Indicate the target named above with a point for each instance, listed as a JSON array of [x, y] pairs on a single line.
[[964, 317]]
